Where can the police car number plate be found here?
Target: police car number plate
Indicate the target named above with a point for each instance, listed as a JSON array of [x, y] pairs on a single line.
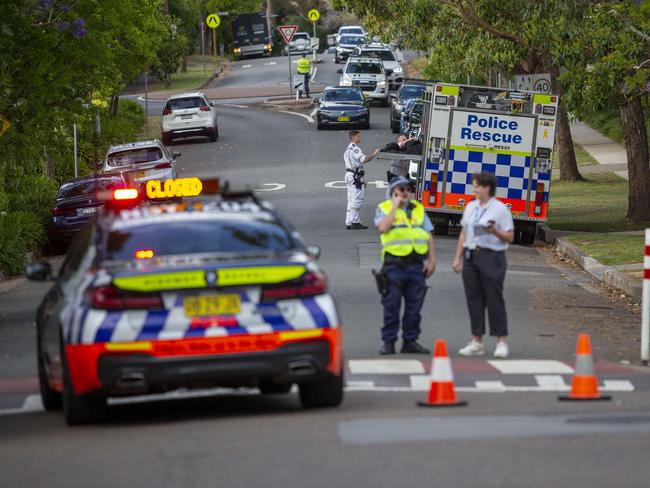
[[344, 119], [204, 305]]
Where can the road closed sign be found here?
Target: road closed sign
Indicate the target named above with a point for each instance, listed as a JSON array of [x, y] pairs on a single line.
[[490, 131]]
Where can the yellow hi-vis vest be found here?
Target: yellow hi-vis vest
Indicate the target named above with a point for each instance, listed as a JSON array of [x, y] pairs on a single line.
[[304, 66], [407, 234]]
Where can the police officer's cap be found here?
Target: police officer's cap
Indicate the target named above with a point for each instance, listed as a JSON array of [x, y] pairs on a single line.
[[397, 182]]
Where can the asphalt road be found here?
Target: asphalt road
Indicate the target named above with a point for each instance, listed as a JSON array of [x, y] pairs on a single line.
[[513, 433]]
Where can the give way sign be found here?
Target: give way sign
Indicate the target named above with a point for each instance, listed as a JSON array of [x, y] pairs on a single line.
[[287, 32]]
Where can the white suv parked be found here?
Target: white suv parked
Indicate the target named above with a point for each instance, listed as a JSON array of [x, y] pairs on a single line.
[[140, 161], [367, 74], [389, 60], [188, 115]]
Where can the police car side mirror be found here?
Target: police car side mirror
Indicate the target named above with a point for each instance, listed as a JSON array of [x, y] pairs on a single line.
[[313, 251], [212, 104], [340, 71], [41, 271], [176, 154]]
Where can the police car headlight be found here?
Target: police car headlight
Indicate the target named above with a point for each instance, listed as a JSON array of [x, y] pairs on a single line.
[[381, 84]]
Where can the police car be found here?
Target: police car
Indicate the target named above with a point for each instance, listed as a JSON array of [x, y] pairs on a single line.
[[214, 290]]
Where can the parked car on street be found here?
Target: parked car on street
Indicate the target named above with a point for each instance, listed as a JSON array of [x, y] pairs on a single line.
[[189, 115], [141, 161]]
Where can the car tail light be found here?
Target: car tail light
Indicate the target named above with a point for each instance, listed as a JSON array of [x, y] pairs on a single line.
[[59, 212], [163, 166], [433, 188], [539, 198], [310, 284], [167, 111], [143, 254], [125, 194], [204, 108], [109, 297]]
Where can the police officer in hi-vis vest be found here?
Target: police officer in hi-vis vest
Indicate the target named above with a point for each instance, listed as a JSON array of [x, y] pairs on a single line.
[[304, 69], [409, 258]]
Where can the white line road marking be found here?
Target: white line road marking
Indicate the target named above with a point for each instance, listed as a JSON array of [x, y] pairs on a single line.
[[270, 63], [385, 366], [523, 366], [312, 78], [617, 385], [491, 386], [418, 384], [551, 381], [31, 404], [308, 117], [313, 112], [247, 66], [233, 105], [271, 187]]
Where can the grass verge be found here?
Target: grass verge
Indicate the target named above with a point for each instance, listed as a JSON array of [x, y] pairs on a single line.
[[608, 123], [596, 205], [193, 78], [610, 249], [583, 158]]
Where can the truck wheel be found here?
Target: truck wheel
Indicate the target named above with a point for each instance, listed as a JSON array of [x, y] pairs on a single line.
[[79, 410], [51, 399], [270, 388], [327, 393], [440, 229]]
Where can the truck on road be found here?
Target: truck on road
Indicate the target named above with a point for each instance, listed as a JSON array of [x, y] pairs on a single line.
[[469, 129], [251, 35]]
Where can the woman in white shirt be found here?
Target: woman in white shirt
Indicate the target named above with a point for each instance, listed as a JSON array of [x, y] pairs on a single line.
[[481, 255]]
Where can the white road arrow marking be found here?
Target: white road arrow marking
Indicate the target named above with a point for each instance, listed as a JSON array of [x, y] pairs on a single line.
[[247, 66], [271, 187]]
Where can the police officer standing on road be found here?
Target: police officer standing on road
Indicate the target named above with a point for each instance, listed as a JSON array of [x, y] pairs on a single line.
[[481, 255], [409, 258], [304, 69], [354, 160]]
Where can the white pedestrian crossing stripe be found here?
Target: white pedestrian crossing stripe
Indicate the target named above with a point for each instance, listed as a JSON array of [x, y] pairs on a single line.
[[527, 366], [385, 366]]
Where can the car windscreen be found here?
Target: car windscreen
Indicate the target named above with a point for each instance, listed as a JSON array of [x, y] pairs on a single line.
[[382, 54], [134, 156], [368, 68], [351, 30], [411, 91], [300, 36], [344, 95], [352, 40], [87, 187], [211, 236], [183, 103]]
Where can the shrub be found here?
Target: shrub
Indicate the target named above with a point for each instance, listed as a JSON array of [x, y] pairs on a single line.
[[22, 232]]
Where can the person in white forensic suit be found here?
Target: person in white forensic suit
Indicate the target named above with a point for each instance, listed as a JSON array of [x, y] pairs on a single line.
[[354, 160]]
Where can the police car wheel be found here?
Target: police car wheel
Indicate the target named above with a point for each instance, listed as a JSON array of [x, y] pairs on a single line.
[[51, 399], [328, 393], [269, 388], [79, 410], [320, 126]]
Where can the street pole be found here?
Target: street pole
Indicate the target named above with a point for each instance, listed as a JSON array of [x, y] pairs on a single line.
[[313, 57], [214, 42], [203, 41], [146, 103], [290, 72], [645, 303], [76, 160]]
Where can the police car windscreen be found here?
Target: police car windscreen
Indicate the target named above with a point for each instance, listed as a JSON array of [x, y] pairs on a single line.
[[353, 40], [382, 54], [87, 187], [210, 236], [134, 156], [343, 95], [365, 68]]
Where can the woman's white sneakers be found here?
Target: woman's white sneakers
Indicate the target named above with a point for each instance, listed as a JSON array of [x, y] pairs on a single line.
[[475, 348], [501, 350]]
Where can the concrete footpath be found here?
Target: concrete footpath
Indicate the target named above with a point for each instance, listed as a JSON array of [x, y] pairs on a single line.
[[611, 156]]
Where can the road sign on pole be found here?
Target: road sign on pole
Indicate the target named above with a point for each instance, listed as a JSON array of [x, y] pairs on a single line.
[[213, 21], [645, 295], [313, 15], [287, 32], [5, 125]]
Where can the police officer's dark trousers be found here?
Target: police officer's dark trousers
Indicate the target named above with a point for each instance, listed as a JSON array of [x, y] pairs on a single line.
[[306, 83], [483, 277], [406, 281]]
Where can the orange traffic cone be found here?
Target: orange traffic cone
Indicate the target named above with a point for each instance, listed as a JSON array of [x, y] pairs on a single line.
[[584, 384], [441, 392]]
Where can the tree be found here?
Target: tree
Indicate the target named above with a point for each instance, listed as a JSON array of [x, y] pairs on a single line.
[[454, 25], [608, 65]]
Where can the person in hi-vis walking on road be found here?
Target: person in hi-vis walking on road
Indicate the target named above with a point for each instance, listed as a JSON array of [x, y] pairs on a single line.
[[487, 229], [304, 69]]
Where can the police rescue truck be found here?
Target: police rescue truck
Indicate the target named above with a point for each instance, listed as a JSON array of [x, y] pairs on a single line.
[[470, 129]]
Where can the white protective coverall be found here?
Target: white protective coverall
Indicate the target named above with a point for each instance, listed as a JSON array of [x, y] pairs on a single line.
[[354, 158]]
